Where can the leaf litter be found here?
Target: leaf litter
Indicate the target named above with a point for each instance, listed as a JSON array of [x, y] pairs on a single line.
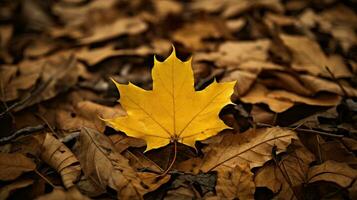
[[289, 126]]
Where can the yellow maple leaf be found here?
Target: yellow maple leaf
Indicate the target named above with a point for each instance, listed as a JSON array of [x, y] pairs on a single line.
[[173, 111]]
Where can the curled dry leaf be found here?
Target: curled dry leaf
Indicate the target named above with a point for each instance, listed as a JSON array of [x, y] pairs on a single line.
[[288, 175], [12, 165], [105, 167], [59, 157], [236, 183], [336, 172]]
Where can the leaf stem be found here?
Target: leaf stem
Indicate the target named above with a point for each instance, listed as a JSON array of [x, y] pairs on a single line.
[[173, 160]]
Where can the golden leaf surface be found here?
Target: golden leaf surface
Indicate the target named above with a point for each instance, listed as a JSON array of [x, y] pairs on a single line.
[[172, 110]]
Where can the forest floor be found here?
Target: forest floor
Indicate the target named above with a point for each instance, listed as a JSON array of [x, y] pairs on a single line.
[[293, 114]]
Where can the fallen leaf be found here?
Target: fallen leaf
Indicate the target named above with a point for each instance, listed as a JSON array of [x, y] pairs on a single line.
[[6, 191], [287, 176], [58, 194], [172, 111], [192, 35], [260, 94], [42, 79], [317, 100], [234, 8], [95, 56], [235, 53], [331, 171], [244, 79], [253, 146], [122, 142], [253, 142], [181, 193], [12, 165], [105, 167], [119, 27], [285, 81], [60, 158], [319, 84], [308, 57], [236, 183], [86, 113], [165, 8]]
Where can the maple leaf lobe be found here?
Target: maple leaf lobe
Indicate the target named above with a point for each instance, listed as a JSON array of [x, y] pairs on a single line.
[[172, 110]]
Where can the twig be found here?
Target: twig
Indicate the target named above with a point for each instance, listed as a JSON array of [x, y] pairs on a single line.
[[23, 131], [304, 129], [44, 178], [173, 160], [338, 82], [70, 137]]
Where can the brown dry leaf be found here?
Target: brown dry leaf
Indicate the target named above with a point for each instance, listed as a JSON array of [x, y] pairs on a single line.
[[122, 142], [253, 146], [331, 171], [286, 81], [86, 113], [105, 167], [192, 35], [40, 46], [95, 56], [236, 183], [235, 53], [336, 151], [260, 94], [60, 158], [234, 8], [244, 81], [58, 194], [138, 160], [319, 84], [117, 28], [6, 32], [12, 84], [181, 193], [165, 8], [261, 115], [12, 165], [308, 57], [256, 66], [76, 16], [42, 79], [317, 100], [6, 191], [288, 175], [235, 25]]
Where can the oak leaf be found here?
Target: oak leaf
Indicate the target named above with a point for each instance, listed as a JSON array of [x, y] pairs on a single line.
[[173, 110]]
